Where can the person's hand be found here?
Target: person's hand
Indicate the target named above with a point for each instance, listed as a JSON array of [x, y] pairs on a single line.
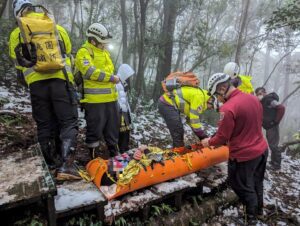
[[205, 142], [138, 154], [116, 79]]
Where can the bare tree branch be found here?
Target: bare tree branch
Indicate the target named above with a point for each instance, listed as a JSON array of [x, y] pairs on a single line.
[[290, 94], [265, 83]]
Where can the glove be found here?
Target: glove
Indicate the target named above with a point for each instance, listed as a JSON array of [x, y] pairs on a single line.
[[201, 134], [22, 59], [21, 79]]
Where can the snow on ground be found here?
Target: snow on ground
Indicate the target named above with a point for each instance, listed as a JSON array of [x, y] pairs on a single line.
[[76, 194], [281, 196], [17, 100], [130, 202], [187, 181], [149, 128]]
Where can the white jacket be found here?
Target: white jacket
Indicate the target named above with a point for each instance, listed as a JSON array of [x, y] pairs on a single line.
[[124, 72], [122, 99]]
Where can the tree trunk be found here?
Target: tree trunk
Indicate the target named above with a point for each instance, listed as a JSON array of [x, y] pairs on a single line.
[[73, 17], [140, 72], [244, 17], [2, 7], [124, 31], [267, 62], [136, 36], [166, 45], [287, 77]]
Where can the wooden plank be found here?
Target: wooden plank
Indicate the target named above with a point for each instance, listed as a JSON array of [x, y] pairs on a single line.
[[51, 210], [24, 178]]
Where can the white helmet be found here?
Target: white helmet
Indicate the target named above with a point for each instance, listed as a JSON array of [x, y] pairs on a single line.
[[232, 69], [215, 80], [17, 5], [99, 32]]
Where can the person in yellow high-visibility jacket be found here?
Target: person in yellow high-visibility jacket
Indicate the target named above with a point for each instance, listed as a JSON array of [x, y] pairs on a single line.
[[99, 96], [241, 82], [190, 101], [52, 108]]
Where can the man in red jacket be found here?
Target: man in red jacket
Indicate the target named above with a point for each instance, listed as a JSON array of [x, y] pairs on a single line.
[[240, 127], [273, 113]]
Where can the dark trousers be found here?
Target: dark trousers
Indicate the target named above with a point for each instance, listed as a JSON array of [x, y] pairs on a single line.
[[124, 135], [272, 135], [172, 118], [52, 110], [124, 138], [103, 121], [246, 179]]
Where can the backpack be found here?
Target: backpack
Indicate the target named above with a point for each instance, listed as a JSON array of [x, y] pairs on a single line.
[[178, 79], [41, 33]]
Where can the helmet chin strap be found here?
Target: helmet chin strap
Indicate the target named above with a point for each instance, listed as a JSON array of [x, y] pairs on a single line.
[[224, 94]]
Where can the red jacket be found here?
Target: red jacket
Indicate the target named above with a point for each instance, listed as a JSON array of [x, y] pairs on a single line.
[[240, 126]]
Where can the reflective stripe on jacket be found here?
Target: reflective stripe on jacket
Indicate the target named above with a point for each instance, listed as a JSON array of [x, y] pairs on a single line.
[[246, 85], [97, 72], [191, 102], [30, 75]]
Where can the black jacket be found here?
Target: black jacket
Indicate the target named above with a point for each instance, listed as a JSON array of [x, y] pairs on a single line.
[[270, 112]]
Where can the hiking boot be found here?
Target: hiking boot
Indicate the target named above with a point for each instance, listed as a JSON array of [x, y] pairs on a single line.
[[68, 171], [49, 152], [113, 150]]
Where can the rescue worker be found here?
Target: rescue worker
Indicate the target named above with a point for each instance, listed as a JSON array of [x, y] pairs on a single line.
[[239, 126], [100, 96], [124, 73], [242, 82], [273, 113], [52, 110], [190, 101]]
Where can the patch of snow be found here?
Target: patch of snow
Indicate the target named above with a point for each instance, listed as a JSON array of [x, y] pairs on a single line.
[[231, 211], [71, 195], [130, 202], [206, 189]]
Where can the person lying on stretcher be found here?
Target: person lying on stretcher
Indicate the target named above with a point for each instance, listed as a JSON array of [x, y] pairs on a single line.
[[124, 167]]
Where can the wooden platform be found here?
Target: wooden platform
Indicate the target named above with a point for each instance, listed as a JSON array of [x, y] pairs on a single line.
[[173, 192], [25, 179]]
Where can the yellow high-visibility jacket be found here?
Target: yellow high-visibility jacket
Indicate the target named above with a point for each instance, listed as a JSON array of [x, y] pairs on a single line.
[[191, 102], [30, 75], [246, 86], [97, 72]]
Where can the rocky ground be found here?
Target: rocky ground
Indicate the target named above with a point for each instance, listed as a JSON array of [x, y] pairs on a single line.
[[282, 188]]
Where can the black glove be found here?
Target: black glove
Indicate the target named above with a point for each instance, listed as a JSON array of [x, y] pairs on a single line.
[[21, 57], [201, 134], [20, 78], [78, 78]]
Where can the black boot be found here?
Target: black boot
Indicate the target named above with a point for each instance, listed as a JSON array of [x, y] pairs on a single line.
[[113, 150], [67, 171], [50, 155], [96, 152]]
